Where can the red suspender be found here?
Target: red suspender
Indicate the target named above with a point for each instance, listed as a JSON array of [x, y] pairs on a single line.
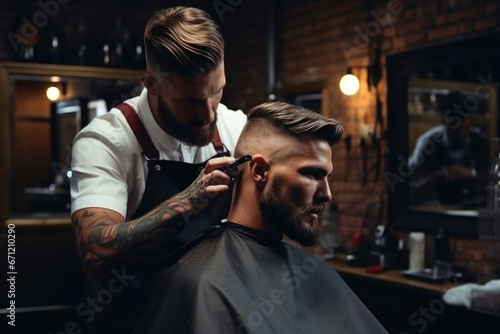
[[148, 149]]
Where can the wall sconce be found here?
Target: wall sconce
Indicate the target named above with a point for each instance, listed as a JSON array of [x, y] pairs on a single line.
[[349, 83], [54, 92]]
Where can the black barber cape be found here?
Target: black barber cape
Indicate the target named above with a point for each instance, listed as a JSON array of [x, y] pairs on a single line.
[[233, 279]]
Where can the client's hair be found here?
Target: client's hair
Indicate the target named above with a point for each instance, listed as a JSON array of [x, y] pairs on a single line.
[[284, 119], [296, 120]]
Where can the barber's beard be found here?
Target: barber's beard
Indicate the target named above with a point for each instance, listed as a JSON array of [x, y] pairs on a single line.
[[289, 218], [189, 133]]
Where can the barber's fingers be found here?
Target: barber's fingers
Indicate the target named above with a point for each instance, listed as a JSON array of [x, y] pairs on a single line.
[[211, 181], [215, 180], [218, 182], [218, 163], [217, 189]]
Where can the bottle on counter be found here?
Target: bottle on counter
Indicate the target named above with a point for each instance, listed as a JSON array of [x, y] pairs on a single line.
[[442, 246], [416, 260], [329, 239]]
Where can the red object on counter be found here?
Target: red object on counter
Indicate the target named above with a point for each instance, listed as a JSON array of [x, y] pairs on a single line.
[[357, 239], [375, 269]]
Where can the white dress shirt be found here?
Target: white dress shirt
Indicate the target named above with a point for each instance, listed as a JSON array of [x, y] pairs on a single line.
[[108, 169]]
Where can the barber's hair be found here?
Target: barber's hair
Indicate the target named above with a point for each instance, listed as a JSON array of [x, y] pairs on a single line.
[[293, 120], [183, 40]]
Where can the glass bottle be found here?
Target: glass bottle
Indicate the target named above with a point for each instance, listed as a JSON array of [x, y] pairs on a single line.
[[53, 44], [136, 57], [489, 218], [329, 239], [103, 53], [81, 49]]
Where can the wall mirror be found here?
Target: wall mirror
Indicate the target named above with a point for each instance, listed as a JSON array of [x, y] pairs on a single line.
[[37, 132], [451, 88]]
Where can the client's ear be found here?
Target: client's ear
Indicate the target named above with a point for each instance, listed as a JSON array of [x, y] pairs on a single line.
[[150, 83], [259, 168]]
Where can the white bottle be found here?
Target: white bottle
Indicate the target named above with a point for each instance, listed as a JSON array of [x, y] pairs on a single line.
[[417, 251]]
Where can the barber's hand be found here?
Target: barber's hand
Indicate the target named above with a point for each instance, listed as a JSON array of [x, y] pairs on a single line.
[[208, 185], [212, 178], [454, 172], [205, 189]]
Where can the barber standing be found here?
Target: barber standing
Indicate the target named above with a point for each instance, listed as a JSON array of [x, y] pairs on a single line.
[[143, 177]]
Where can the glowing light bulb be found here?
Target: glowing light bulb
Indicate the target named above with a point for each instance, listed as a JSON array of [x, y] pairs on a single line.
[[349, 84], [53, 93]]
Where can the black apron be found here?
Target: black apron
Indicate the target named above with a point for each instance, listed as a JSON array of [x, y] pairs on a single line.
[[165, 179], [168, 178]]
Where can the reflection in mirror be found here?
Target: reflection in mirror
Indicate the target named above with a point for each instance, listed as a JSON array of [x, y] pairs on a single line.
[[434, 94], [43, 132], [449, 127]]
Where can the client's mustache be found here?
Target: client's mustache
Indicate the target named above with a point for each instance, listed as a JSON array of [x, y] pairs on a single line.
[[315, 208]]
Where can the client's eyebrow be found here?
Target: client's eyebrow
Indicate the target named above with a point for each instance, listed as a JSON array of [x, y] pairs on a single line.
[[316, 171]]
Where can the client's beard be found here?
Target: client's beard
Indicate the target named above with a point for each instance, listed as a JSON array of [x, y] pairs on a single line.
[[289, 220]]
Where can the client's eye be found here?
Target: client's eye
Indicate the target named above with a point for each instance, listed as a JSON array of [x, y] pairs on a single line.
[[313, 174]]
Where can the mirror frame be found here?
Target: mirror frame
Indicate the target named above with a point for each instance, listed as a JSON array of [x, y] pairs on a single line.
[[400, 68], [7, 69]]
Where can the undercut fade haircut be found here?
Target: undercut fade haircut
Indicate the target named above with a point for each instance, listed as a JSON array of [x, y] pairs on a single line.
[[293, 120], [183, 40]]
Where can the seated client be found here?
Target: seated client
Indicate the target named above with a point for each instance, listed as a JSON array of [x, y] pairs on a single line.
[[239, 276]]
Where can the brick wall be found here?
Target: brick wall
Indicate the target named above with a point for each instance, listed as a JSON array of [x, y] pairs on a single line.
[[310, 36], [310, 55], [310, 51]]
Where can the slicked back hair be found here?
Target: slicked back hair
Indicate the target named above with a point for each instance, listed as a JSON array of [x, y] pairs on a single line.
[[183, 40], [294, 120]]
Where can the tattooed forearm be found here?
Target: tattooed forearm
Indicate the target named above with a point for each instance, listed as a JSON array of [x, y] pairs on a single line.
[[102, 238]]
